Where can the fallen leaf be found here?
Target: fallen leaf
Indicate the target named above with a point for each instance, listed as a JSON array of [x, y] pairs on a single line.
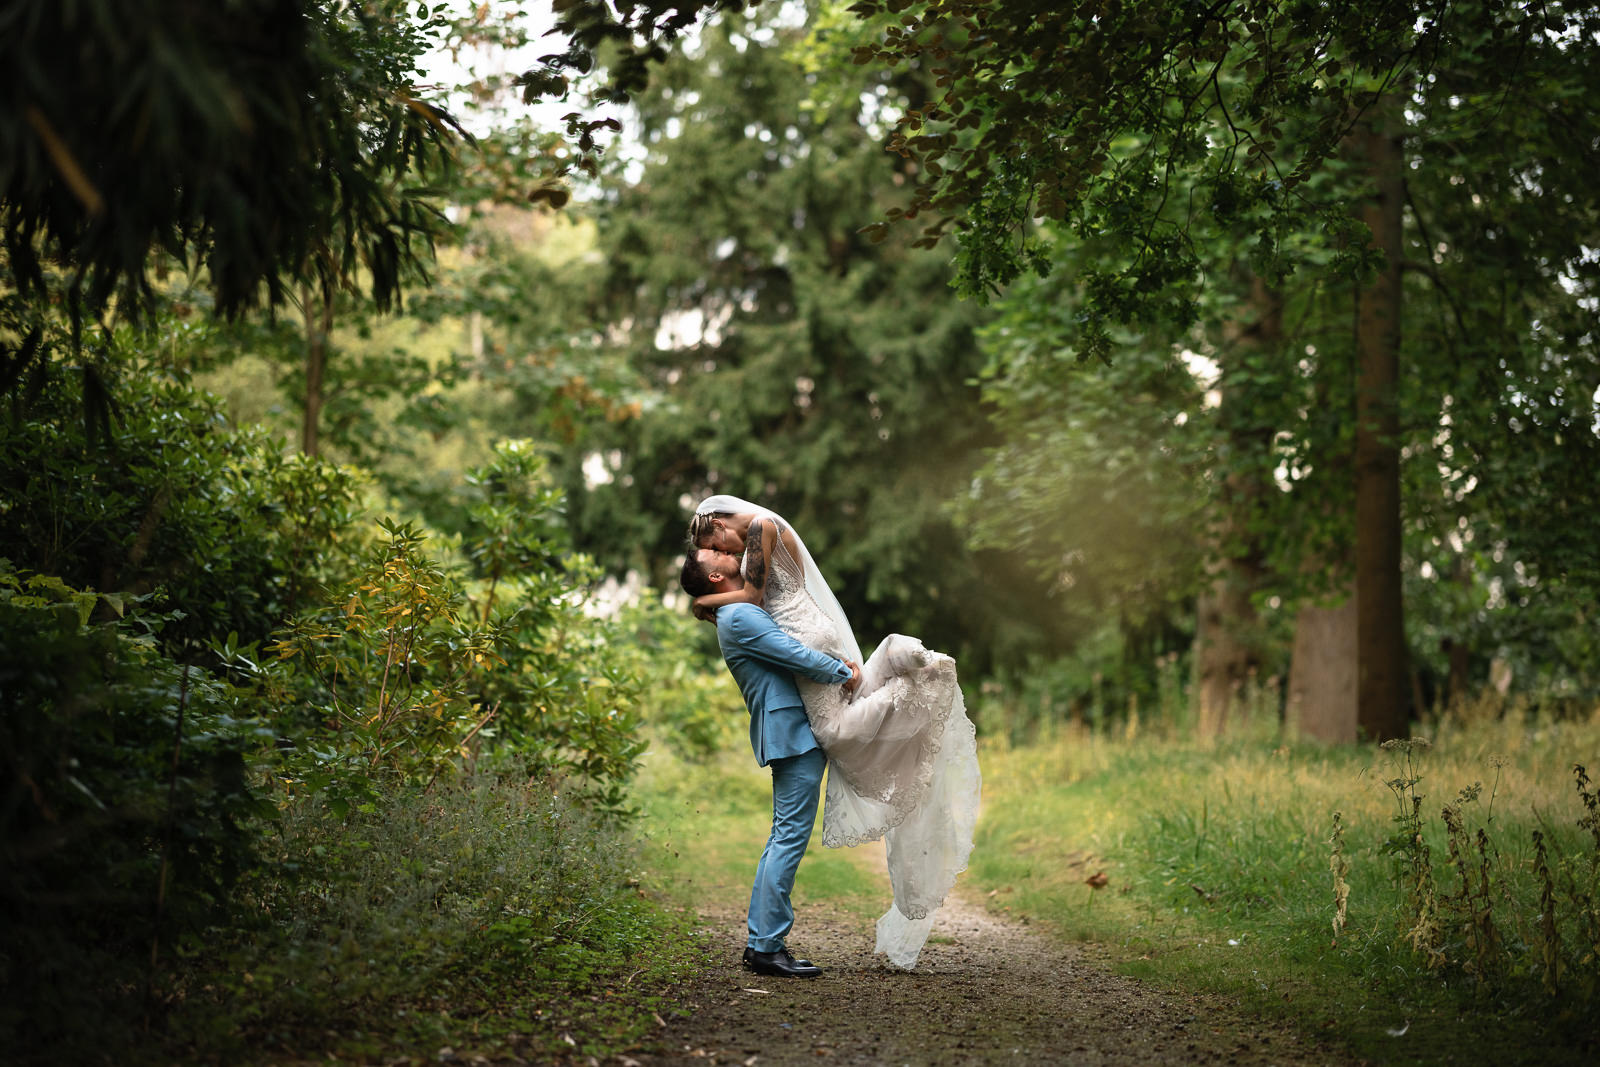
[[1097, 880]]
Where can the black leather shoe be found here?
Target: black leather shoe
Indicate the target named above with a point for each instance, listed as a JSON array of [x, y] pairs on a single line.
[[749, 952], [779, 964]]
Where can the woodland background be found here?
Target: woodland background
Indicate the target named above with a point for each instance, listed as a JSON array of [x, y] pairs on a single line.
[[1217, 368]]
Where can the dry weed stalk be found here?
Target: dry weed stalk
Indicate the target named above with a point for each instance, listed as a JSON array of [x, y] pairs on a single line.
[[1340, 867], [1549, 939], [1409, 847], [1486, 943], [1585, 897], [1472, 903]]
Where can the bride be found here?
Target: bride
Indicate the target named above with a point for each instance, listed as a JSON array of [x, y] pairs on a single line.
[[902, 755]]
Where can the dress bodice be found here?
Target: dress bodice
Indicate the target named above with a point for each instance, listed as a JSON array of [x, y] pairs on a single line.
[[794, 609]]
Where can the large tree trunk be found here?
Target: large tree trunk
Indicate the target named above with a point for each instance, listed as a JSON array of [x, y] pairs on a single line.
[[1227, 643], [1322, 675], [1380, 625]]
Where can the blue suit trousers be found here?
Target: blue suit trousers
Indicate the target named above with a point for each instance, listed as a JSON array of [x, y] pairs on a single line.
[[796, 789]]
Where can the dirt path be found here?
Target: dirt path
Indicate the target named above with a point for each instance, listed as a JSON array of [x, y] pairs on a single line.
[[986, 990]]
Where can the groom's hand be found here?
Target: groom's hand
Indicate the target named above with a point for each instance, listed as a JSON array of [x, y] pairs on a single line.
[[854, 683]]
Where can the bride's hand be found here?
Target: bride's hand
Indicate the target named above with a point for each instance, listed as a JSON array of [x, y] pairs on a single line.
[[854, 683]]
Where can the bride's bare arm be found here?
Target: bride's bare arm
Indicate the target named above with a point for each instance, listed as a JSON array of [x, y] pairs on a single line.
[[759, 543]]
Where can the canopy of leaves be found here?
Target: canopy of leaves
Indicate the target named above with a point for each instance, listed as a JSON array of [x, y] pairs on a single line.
[[265, 140], [1498, 400]]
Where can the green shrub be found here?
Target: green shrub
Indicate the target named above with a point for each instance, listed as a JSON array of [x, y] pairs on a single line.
[[448, 730], [171, 498], [479, 899], [690, 704], [380, 683], [125, 812], [567, 695]]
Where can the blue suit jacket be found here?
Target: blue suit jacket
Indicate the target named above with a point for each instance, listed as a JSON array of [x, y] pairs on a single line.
[[764, 660]]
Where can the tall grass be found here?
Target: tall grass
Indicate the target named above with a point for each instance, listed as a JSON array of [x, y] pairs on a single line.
[[492, 916], [1408, 900]]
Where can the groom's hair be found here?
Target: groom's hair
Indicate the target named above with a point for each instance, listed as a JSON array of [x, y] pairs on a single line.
[[693, 578]]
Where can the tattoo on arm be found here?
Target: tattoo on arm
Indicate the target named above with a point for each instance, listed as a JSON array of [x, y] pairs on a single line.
[[755, 556]]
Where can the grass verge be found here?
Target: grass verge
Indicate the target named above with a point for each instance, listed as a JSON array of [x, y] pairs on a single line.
[[706, 822], [1218, 868]]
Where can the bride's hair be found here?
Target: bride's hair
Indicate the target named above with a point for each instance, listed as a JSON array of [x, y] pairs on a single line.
[[700, 525]]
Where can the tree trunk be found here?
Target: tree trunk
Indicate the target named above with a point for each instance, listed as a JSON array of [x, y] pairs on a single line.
[[1380, 625], [319, 324], [1322, 683], [1227, 643], [1225, 659]]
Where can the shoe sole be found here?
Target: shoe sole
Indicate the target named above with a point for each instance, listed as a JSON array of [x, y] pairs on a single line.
[[780, 974]]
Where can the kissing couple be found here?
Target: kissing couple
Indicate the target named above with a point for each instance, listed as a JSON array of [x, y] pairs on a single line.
[[892, 731]]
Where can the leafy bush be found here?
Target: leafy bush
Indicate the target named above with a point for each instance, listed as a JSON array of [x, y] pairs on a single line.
[[421, 665], [174, 499], [483, 898], [125, 809], [692, 705], [381, 681], [146, 882], [567, 697]]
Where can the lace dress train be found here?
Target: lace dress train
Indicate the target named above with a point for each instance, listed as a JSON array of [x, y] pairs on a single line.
[[932, 810]]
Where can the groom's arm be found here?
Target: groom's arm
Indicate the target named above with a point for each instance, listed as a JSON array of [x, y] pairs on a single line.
[[755, 634]]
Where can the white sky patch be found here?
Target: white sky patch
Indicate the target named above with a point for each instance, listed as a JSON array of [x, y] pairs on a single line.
[[448, 70], [690, 327], [614, 595], [599, 468], [595, 471], [1205, 369], [878, 113]]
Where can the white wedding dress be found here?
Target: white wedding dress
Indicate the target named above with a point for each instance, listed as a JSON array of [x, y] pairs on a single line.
[[902, 755]]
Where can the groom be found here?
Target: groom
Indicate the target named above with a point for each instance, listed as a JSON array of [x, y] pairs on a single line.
[[763, 660]]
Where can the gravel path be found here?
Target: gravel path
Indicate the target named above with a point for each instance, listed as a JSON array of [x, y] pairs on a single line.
[[986, 990]]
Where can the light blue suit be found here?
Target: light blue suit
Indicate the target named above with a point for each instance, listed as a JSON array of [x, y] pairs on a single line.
[[763, 660]]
